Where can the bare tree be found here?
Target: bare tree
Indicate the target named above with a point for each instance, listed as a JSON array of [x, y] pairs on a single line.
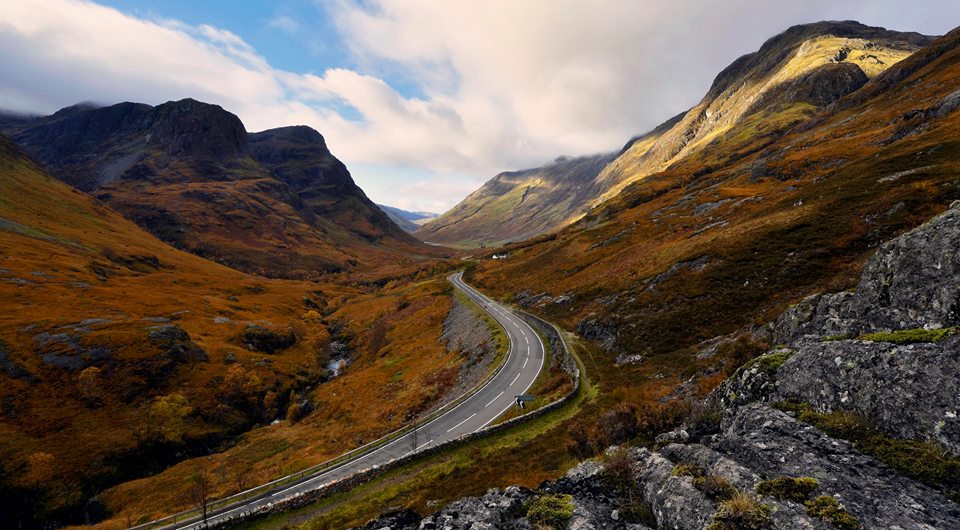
[[200, 491], [243, 478]]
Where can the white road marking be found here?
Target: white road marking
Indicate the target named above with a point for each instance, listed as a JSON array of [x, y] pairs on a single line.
[[492, 400], [515, 380], [462, 422], [525, 362]]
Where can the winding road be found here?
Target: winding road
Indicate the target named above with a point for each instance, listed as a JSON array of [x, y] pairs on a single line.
[[519, 370]]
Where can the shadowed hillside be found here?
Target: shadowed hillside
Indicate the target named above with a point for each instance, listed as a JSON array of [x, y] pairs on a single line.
[[275, 203]]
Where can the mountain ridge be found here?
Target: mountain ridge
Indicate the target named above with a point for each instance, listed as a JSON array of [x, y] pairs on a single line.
[[791, 75], [191, 174]]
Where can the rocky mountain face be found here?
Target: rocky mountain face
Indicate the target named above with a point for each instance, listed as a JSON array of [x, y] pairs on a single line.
[[517, 205], [811, 64], [190, 173], [849, 431], [806, 68]]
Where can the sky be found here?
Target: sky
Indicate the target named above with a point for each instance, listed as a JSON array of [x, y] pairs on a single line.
[[424, 100]]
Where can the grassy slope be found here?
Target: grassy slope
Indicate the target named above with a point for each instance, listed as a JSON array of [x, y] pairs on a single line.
[[801, 213], [68, 258]]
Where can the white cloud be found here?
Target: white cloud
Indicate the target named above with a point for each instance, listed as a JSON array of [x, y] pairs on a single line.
[[499, 84], [284, 23]]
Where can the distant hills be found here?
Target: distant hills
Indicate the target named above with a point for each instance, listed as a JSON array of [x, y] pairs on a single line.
[[409, 221], [275, 203], [805, 68]]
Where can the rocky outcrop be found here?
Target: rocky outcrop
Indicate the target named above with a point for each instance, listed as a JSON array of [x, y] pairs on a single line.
[[773, 444], [176, 343], [911, 282], [909, 390], [465, 333], [903, 386]]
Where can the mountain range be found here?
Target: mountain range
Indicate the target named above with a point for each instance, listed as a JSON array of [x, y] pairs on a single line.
[[790, 77], [276, 203]]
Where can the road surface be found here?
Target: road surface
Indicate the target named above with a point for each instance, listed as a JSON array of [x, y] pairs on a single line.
[[520, 369]]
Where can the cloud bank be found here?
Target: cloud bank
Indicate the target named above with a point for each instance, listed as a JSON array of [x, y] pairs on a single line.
[[435, 97]]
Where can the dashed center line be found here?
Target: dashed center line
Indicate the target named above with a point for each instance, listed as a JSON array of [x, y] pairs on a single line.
[[462, 422], [515, 380], [492, 400]]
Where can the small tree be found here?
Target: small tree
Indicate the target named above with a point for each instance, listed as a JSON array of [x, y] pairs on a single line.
[[162, 420], [200, 491], [242, 478]]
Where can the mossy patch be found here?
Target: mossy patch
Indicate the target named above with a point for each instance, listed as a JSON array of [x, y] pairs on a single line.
[[688, 470], [837, 337], [550, 510], [827, 507], [911, 336], [787, 488], [923, 461], [771, 362]]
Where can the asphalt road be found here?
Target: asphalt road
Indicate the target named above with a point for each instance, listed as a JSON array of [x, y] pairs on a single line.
[[519, 371]]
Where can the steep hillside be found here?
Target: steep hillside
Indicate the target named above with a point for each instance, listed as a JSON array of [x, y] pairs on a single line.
[[276, 203], [726, 238], [121, 356], [409, 221], [516, 205], [811, 64], [790, 77]]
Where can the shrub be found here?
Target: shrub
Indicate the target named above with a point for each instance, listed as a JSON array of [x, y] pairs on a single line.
[[716, 488], [911, 336], [620, 470], [264, 340], [638, 512], [742, 512], [658, 418], [827, 507], [704, 419], [788, 489], [619, 424], [584, 441], [550, 510]]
